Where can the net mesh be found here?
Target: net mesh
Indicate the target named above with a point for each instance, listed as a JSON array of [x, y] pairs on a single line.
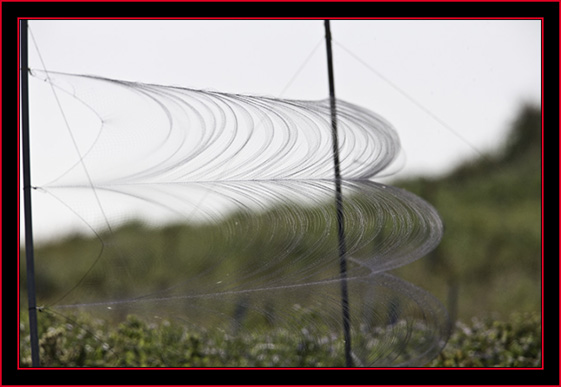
[[218, 211]]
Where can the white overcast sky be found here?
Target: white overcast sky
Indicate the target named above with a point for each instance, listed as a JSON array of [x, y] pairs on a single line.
[[470, 74]]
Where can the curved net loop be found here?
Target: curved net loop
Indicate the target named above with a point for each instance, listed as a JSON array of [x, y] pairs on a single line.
[[217, 210]]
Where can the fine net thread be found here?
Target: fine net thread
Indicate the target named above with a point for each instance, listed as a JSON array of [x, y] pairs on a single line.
[[252, 177]]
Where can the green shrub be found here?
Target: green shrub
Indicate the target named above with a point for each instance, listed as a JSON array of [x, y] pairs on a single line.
[[487, 343], [83, 341]]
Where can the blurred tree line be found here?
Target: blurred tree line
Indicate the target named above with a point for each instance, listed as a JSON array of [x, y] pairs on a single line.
[[489, 260]]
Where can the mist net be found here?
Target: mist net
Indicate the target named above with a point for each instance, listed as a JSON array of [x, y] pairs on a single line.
[[217, 211]]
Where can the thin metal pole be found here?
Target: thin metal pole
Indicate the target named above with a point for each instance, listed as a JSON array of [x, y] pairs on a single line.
[[339, 204], [29, 256]]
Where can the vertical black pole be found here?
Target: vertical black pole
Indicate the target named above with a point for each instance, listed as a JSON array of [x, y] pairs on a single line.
[[27, 196], [339, 204]]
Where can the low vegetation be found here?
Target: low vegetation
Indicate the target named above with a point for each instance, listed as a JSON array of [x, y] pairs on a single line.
[[85, 341]]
